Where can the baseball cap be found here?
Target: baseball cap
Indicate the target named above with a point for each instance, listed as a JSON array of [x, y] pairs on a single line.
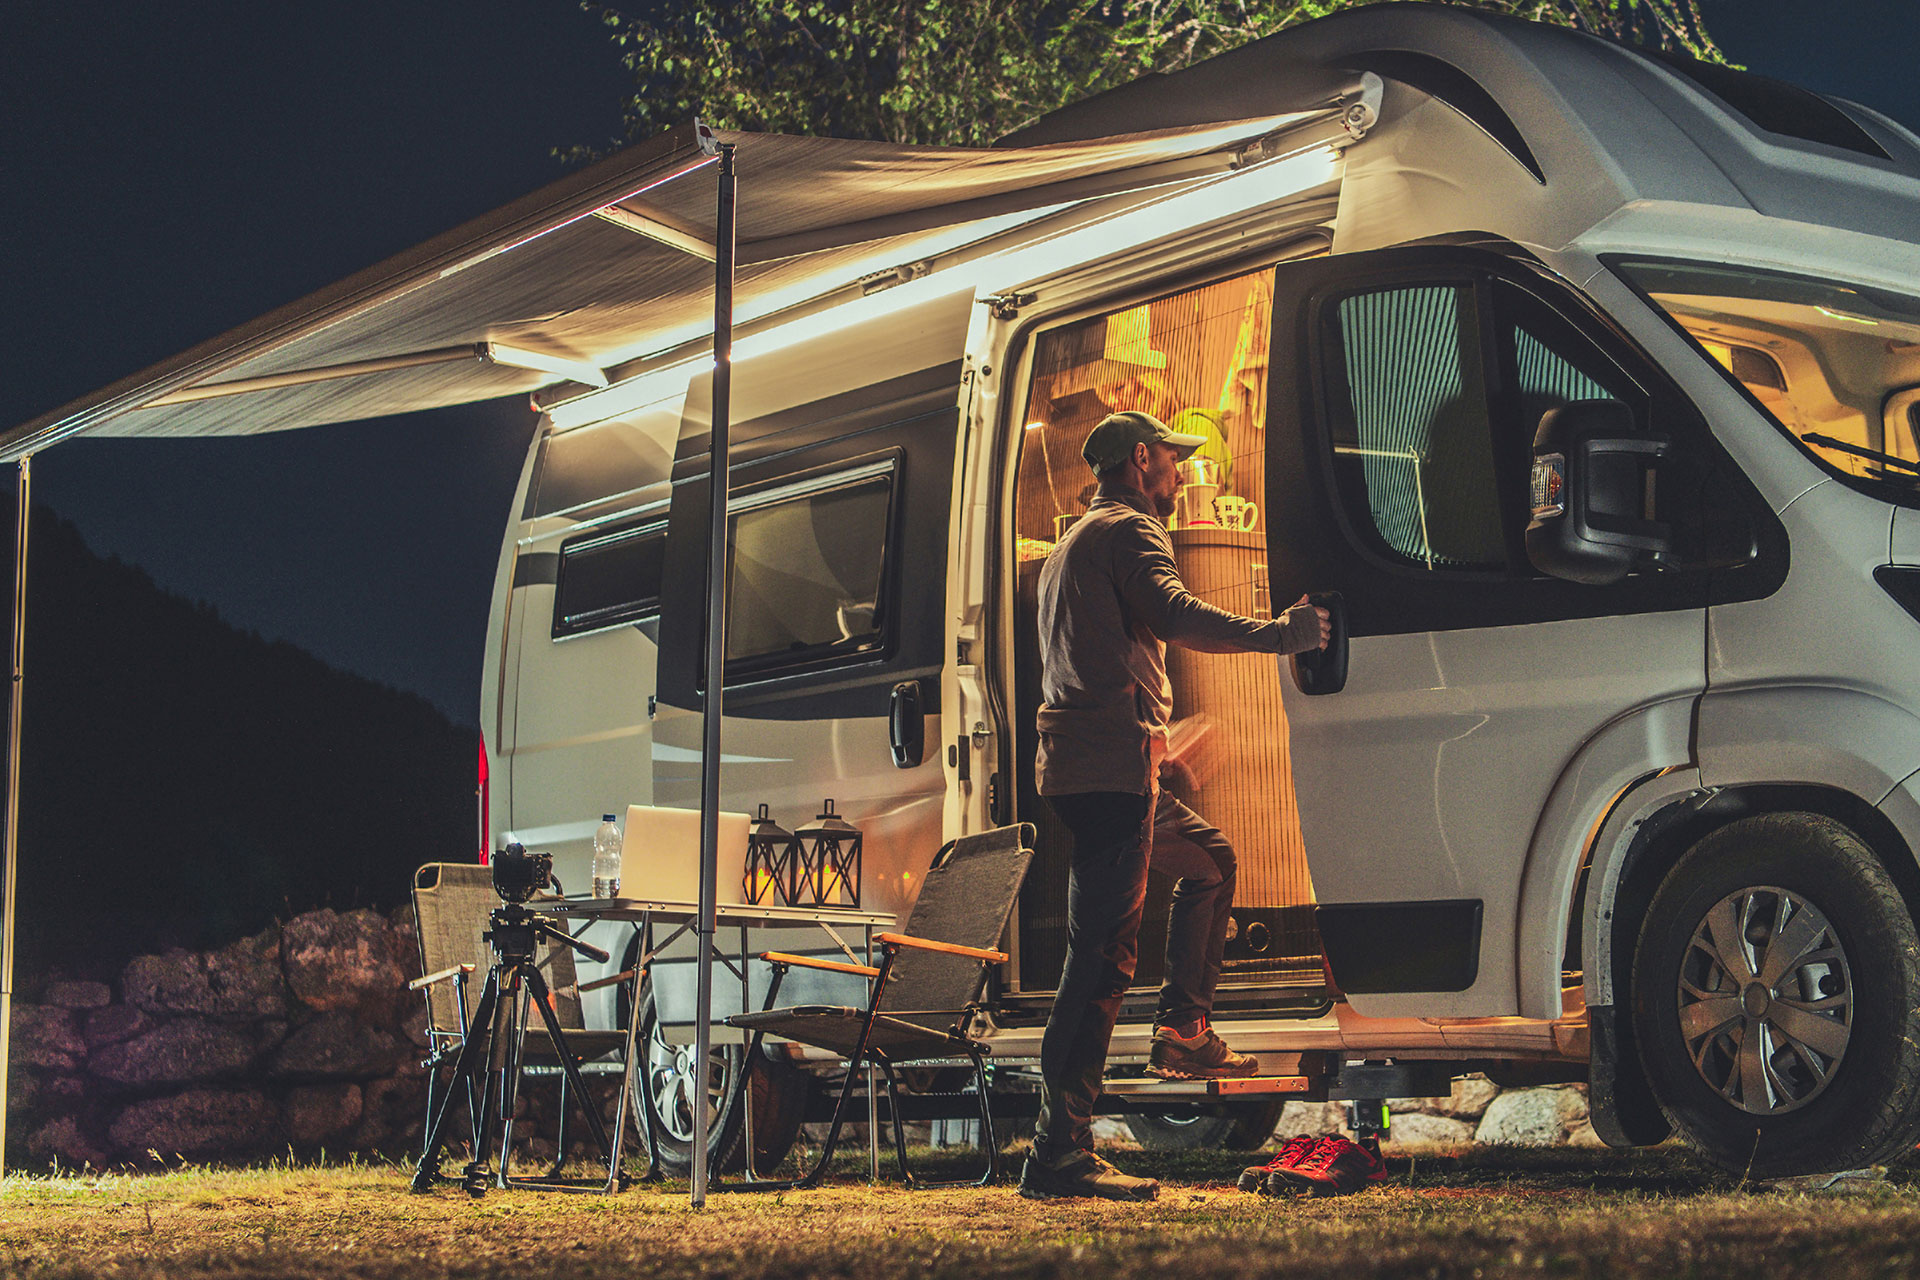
[[1112, 441]]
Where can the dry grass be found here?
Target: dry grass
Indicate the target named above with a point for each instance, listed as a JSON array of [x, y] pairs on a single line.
[[1561, 1213]]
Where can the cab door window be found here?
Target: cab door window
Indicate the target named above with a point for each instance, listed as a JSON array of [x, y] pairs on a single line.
[[1436, 390]]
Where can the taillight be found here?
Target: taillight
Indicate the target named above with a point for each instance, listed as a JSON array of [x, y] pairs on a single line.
[[480, 793]]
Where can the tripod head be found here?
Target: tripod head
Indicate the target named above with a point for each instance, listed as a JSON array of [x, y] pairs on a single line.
[[516, 933]]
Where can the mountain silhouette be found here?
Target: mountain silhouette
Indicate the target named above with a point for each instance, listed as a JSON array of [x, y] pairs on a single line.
[[186, 783]]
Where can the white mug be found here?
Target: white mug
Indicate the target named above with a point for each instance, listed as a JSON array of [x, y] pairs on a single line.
[[1235, 513]]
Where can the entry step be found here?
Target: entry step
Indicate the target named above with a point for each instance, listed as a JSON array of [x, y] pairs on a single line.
[[1242, 1086]]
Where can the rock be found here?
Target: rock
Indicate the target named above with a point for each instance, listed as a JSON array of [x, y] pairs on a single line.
[[46, 1039], [237, 983], [1310, 1117], [184, 1051], [115, 1023], [1585, 1136], [1471, 1097], [199, 1122], [1532, 1117], [63, 1139], [1419, 1129], [393, 1115], [314, 1113], [77, 995], [337, 1046], [344, 963], [24, 1092]]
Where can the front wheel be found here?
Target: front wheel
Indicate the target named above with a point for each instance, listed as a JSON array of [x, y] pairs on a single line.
[[1776, 999]]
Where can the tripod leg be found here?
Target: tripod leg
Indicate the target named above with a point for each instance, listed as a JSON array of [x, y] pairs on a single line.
[[501, 1053], [461, 1085]]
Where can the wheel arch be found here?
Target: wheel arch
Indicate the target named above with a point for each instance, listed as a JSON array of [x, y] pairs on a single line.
[[1646, 834]]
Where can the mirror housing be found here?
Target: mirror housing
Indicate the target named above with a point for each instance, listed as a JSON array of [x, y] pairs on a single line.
[[1592, 473]]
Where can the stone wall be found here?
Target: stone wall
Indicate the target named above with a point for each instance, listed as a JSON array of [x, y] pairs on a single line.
[[300, 1038]]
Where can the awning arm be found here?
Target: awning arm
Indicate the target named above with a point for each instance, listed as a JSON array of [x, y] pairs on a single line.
[[655, 226]]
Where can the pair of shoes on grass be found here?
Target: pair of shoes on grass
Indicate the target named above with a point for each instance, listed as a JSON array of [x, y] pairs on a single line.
[[1308, 1166], [1081, 1174]]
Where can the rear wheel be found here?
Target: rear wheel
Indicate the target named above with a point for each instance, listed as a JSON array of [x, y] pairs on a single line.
[[1242, 1127], [1776, 997], [667, 1091]]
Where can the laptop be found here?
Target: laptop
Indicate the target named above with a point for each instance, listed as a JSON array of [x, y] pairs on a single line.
[[660, 855]]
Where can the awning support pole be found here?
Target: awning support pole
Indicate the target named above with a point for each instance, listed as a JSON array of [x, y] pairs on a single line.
[[717, 457], [12, 832]]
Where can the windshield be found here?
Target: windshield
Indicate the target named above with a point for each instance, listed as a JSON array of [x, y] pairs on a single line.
[[1837, 365]]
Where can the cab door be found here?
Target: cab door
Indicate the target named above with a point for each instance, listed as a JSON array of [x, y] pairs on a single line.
[[1398, 476]]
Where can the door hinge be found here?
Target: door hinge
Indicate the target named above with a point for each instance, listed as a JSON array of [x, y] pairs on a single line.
[[1005, 306]]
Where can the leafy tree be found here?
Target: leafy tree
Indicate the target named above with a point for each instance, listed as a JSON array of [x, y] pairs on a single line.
[[964, 72]]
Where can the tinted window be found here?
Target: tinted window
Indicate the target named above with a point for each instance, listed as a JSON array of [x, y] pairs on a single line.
[[609, 578], [1412, 443], [806, 572]]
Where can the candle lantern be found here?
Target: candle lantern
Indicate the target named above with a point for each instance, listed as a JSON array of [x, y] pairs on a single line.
[[829, 861], [773, 864]]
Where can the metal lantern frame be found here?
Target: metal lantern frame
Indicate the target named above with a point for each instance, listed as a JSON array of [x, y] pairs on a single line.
[[829, 858], [772, 873]]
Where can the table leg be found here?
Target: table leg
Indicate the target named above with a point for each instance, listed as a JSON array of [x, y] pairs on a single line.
[[746, 1084]]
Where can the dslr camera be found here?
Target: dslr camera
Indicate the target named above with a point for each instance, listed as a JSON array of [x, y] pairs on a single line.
[[518, 875]]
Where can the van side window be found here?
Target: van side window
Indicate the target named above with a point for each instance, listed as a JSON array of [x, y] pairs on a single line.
[[1412, 433], [806, 571], [609, 579]]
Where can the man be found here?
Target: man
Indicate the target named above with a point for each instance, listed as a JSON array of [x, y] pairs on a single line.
[[1110, 600]]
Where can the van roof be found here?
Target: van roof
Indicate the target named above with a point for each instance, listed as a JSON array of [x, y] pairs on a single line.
[[1547, 134]]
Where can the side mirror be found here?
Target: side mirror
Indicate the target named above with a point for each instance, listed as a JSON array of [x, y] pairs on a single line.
[[1592, 471]]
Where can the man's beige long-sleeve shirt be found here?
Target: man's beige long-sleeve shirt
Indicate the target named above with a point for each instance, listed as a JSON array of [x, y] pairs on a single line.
[[1111, 599]]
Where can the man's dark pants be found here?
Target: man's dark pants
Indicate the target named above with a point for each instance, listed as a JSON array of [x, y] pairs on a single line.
[[1113, 844]]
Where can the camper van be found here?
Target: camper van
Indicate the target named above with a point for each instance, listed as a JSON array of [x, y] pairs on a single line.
[[1587, 376]]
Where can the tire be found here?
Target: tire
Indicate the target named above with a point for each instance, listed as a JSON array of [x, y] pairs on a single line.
[[662, 1093], [1806, 1063], [1241, 1127]]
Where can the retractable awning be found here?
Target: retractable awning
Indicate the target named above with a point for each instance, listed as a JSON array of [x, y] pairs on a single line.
[[607, 265]]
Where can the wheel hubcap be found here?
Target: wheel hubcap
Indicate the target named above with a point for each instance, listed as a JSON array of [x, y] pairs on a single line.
[[1765, 1000], [672, 1094]]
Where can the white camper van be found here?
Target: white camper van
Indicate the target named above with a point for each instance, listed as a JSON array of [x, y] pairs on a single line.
[[1588, 378]]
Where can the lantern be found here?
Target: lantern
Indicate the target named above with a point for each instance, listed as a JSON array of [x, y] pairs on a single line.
[[773, 866], [829, 856]]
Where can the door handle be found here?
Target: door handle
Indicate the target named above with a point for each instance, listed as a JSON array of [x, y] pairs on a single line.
[[907, 725], [1320, 671]]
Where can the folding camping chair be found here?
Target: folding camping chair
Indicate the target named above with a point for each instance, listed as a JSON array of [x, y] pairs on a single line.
[[451, 905], [924, 993]]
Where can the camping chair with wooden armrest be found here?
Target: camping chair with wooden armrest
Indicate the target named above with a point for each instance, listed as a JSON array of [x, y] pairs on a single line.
[[922, 995], [452, 903]]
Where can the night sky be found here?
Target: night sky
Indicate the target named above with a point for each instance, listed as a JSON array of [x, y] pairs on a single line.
[[171, 171]]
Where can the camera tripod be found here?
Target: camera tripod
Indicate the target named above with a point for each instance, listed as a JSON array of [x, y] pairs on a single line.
[[493, 1046]]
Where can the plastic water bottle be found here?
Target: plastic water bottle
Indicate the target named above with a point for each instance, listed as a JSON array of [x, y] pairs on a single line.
[[606, 859]]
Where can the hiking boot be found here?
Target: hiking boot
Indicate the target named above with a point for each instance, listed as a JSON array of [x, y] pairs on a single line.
[[1082, 1174], [1254, 1176], [1335, 1167], [1204, 1057]]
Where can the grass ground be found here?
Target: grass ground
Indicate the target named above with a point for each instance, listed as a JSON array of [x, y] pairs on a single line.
[[1484, 1213]]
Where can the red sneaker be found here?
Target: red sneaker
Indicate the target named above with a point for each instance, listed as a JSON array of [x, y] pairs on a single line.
[[1254, 1176], [1335, 1167]]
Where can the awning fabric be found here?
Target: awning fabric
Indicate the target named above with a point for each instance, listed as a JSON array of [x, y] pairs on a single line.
[[546, 278]]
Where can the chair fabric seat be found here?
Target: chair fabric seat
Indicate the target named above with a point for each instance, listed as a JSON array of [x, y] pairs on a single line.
[[837, 1028]]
